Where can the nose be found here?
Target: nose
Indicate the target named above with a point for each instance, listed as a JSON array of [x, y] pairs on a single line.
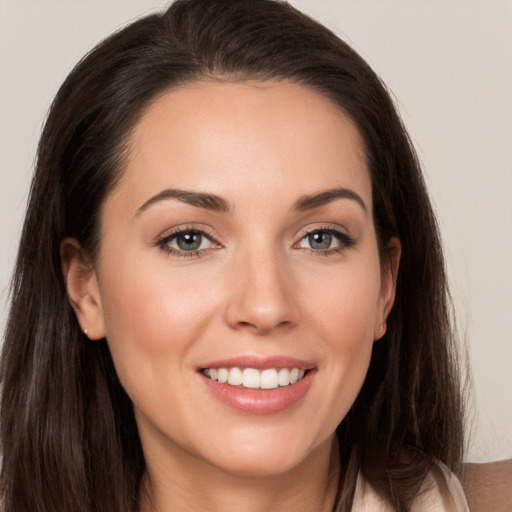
[[261, 297]]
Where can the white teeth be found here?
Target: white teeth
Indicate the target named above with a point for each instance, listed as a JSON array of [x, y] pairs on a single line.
[[270, 378], [235, 377], [251, 378], [284, 377], [222, 375]]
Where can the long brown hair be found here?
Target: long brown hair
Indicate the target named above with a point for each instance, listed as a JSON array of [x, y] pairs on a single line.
[[68, 434]]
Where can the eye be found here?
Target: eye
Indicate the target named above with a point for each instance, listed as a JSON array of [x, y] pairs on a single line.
[[187, 243], [320, 240], [326, 241]]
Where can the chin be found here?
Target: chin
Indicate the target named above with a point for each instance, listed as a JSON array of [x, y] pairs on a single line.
[[260, 467], [269, 455]]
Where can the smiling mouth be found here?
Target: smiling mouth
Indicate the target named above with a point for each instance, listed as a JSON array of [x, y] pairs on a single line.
[[251, 378]]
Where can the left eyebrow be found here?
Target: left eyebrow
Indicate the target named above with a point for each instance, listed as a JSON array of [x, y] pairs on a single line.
[[327, 196]]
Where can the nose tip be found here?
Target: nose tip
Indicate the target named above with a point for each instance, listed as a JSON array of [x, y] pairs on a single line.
[[261, 299], [261, 319]]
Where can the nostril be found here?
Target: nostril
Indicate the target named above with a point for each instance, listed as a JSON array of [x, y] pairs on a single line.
[[261, 327]]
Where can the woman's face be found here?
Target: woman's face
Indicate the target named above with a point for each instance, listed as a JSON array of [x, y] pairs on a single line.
[[240, 245]]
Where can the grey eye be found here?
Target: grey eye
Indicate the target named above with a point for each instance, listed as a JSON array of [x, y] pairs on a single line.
[[320, 240], [189, 241]]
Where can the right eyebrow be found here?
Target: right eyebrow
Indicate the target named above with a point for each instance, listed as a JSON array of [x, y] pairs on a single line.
[[198, 199]]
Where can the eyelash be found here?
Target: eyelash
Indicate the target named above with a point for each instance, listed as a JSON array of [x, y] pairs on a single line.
[[345, 242], [163, 243]]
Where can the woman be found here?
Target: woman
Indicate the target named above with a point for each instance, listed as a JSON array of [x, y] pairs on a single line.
[[234, 296]]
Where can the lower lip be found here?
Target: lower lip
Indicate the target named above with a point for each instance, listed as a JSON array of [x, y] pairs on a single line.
[[260, 401]]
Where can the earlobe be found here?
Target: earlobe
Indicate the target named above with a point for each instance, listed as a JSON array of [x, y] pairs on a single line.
[[388, 285], [82, 289]]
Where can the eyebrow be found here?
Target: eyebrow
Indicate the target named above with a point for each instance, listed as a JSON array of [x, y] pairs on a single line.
[[325, 197], [218, 204], [198, 199]]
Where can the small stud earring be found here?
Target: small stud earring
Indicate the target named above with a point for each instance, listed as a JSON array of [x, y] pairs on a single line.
[[86, 331]]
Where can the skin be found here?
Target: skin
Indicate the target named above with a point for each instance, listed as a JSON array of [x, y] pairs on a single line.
[[487, 486], [257, 286]]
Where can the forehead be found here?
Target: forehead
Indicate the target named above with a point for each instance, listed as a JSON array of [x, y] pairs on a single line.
[[223, 137]]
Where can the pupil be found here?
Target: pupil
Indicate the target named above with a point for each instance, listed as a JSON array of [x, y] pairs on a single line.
[[320, 240], [189, 241]]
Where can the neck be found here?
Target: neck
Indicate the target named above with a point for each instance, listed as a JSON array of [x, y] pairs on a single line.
[[310, 487]]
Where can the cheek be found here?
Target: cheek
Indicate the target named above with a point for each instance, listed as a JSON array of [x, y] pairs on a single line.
[[343, 313], [150, 312], [344, 303]]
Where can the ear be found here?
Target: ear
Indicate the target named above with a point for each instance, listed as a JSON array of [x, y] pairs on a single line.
[[388, 286], [82, 288]]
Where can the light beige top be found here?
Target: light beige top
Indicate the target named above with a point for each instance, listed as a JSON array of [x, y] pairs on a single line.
[[430, 500]]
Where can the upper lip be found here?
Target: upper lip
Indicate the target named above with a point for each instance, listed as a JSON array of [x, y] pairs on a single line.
[[259, 362]]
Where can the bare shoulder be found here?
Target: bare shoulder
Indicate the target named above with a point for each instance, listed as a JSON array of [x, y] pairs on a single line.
[[488, 486]]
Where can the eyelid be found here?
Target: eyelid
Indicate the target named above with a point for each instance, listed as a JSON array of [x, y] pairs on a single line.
[[324, 227], [329, 228], [164, 239], [184, 228], [341, 233]]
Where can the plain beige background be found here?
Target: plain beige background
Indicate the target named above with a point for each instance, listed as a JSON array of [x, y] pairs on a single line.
[[449, 65]]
